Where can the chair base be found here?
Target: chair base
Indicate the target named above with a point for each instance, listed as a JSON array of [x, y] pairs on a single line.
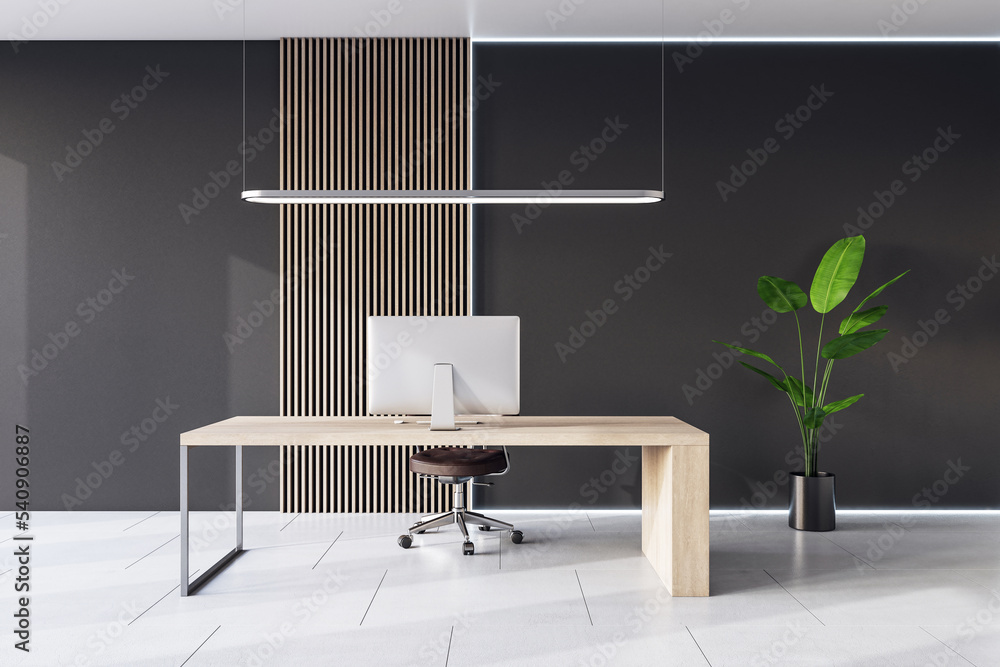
[[461, 516]]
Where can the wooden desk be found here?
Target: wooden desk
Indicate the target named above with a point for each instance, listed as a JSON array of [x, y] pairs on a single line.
[[674, 471]]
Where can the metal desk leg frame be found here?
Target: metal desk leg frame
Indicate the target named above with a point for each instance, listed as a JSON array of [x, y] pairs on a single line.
[[189, 588]]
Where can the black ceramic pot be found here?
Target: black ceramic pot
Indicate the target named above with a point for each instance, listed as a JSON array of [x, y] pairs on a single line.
[[811, 503]]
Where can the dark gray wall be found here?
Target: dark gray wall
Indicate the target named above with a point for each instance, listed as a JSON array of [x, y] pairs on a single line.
[[917, 419], [161, 337]]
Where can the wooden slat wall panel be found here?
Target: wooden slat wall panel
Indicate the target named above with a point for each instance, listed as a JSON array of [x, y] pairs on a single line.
[[366, 114]]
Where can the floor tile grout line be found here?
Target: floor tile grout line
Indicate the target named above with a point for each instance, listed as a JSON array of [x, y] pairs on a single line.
[[290, 521], [161, 599], [591, 522], [849, 553], [584, 596], [742, 522], [200, 645], [6, 571], [138, 522], [994, 593], [905, 529], [155, 550], [447, 656], [6, 515], [795, 598], [327, 551], [372, 601], [946, 646], [691, 634]]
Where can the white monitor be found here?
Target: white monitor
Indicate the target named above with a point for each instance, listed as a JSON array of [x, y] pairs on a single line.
[[442, 366]]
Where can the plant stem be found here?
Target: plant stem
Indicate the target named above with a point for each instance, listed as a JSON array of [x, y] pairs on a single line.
[[819, 346], [811, 453], [802, 352], [802, 430], [826, 380]]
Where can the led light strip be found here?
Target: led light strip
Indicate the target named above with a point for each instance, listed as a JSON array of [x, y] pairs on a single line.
[[708, 39]]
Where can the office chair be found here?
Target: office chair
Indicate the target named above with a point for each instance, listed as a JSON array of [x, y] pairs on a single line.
[[458, 465]]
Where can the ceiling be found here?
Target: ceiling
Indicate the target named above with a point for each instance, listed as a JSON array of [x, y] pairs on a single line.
[[502, 19]]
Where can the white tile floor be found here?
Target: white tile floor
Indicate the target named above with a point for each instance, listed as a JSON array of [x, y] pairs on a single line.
[[884, 589]]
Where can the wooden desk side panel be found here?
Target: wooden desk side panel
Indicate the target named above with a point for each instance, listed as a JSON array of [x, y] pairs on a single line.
[[675, 520]]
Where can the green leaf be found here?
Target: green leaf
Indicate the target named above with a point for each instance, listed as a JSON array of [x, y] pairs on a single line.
[[781, 295], [800, 393], [759, 355], [814, 418], [851, 344], [778, 384], [837, 273], [837, 406], [879, 290], [856, 320]]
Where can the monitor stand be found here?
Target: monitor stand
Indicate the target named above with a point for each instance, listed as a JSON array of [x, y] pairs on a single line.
[[443, 399]]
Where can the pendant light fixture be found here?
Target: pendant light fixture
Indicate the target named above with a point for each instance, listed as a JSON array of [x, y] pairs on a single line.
[[452, 196], [476, 196]]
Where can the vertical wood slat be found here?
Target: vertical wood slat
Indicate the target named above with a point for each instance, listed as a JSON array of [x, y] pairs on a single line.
[[380, 114]]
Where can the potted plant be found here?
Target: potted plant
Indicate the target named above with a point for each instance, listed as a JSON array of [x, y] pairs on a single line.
[[812, 504]]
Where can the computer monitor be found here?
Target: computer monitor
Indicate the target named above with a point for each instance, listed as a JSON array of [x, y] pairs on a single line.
[[443, 366]]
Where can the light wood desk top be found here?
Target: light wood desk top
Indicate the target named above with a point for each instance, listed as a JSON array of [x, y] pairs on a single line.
[[494, 431]]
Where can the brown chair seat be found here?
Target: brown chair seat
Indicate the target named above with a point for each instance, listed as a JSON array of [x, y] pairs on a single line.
[[458, 462]]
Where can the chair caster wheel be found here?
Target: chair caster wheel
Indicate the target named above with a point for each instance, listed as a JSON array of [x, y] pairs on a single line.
[[405, 541], [486, 528], [516, 536], [468, 549]]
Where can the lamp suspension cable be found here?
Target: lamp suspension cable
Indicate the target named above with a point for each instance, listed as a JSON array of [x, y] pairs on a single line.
[[473, 196]]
